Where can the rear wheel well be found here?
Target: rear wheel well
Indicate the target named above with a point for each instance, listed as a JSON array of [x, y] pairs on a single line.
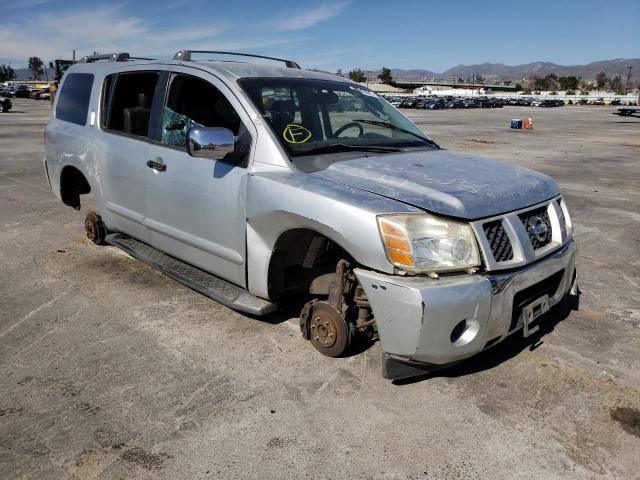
[[300, 256], [73, 184]]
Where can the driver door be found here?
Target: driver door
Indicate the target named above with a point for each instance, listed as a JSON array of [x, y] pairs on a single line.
[[197, 206]]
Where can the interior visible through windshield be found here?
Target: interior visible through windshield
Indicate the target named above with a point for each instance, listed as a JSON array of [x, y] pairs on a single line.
[[312, 117]]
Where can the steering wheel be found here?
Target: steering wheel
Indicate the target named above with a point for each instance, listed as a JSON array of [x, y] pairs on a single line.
[[347, 126]]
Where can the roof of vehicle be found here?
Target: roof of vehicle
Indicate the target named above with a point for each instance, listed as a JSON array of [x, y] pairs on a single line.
[[231, 70]]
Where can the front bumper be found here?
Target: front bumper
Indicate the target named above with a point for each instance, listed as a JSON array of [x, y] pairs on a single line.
[[416, 316]]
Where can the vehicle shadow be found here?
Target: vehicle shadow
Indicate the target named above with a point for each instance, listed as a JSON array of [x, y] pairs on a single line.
[[505, 350], [288, 308]]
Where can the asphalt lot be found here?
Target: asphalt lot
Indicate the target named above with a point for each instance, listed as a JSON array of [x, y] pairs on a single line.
[[108, 369]]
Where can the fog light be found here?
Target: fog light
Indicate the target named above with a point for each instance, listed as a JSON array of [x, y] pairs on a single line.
[[464, 332], [458, 330]]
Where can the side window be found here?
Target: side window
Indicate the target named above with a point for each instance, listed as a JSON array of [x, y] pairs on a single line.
[[193, 102], [128, 108], [73, 100]]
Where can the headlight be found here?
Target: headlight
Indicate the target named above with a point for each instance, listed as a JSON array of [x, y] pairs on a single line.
[[567, 219], [424, 243]]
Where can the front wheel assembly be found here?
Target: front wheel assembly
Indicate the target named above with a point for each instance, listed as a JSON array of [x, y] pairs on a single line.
[[326, 328]]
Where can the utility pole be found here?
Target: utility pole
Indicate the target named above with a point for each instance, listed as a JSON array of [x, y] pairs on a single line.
[[628, 78]]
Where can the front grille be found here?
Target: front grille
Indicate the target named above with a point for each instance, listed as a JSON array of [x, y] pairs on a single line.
[[498, 241], [538, 226]]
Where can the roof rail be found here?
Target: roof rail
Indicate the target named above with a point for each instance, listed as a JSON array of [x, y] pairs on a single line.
[[185, 55], [109, 57]]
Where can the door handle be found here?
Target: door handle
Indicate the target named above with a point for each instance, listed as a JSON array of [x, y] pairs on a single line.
[[158, 166]]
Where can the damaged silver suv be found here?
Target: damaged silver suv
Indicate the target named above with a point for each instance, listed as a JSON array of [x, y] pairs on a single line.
[[255, 182]]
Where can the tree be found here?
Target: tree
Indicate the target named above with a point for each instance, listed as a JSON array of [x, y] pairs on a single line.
[[385, 76], [6, 73], [539, 83], [35, 65], [479, 78], [569, 83], [551, 81], [357, 76], [616, 85], [601, 80]]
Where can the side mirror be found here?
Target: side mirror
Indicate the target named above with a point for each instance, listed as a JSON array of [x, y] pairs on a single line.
[[214, 143]]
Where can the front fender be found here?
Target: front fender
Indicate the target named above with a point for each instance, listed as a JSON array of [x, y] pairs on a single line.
[[279, 202]]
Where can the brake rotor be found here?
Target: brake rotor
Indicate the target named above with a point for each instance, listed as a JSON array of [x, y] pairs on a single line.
[[91, 230], [324, 329], [94, 228], [328, 330]]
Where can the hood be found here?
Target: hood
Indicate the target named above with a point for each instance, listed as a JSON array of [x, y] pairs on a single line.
[[446, 183]]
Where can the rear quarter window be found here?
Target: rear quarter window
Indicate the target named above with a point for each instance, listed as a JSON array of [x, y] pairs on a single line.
[[73, 100]]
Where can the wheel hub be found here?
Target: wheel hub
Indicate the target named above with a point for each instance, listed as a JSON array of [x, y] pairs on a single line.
[[324, 329]]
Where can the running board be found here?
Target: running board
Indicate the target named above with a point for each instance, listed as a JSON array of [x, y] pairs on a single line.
[[207, 284]]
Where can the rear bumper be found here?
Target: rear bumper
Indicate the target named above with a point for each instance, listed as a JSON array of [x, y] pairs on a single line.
[[416, 316]]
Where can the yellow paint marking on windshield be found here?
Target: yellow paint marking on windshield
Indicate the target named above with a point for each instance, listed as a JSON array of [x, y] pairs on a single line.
[[296, 133]]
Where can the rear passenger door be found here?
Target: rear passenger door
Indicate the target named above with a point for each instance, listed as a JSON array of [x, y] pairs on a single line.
[[197, 206], [125, 111]]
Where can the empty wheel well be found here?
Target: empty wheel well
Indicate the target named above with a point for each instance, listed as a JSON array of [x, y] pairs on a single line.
[[299, 257], [73, 184]]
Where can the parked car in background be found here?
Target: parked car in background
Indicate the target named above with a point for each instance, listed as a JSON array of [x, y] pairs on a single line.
[[435, 104], [6, 92], [22, 91], [37, 94], [5, 104]]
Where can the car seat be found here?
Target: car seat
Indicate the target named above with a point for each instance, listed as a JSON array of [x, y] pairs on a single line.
[[282, 114], [136, 119]]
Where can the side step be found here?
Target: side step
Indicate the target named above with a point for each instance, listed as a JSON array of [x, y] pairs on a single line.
[[207, 284]]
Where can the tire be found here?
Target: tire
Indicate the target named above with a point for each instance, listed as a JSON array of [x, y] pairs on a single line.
[[95, 228], [1, 107]]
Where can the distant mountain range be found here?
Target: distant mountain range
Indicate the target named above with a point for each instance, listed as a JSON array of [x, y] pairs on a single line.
[[25, 74], [499, 71], [495, 71]]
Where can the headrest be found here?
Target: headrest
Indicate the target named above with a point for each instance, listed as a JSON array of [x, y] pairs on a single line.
[[283, 106], [144, 100]]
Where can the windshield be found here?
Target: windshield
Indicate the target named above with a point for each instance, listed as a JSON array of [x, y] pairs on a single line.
[[311, 117]]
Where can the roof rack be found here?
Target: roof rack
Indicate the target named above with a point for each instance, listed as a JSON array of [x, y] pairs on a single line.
[[110, 57], [185, 55]]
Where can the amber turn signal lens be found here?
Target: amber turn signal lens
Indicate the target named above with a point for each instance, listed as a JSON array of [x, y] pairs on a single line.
[[397, 243], [401, 257], [390, 229]]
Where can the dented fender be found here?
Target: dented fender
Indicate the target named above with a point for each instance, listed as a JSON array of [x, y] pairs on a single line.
[[280, 201]]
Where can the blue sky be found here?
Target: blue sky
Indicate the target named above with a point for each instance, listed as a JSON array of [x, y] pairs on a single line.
[[344, 34]]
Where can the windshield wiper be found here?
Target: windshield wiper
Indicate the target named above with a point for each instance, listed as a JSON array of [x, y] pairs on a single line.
[[343, 147], [397, 129]]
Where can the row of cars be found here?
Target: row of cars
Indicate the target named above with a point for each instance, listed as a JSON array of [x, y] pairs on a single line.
[[26, 91], [445, 102]]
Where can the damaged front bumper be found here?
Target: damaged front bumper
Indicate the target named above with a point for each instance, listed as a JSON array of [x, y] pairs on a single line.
[[425, 323]]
